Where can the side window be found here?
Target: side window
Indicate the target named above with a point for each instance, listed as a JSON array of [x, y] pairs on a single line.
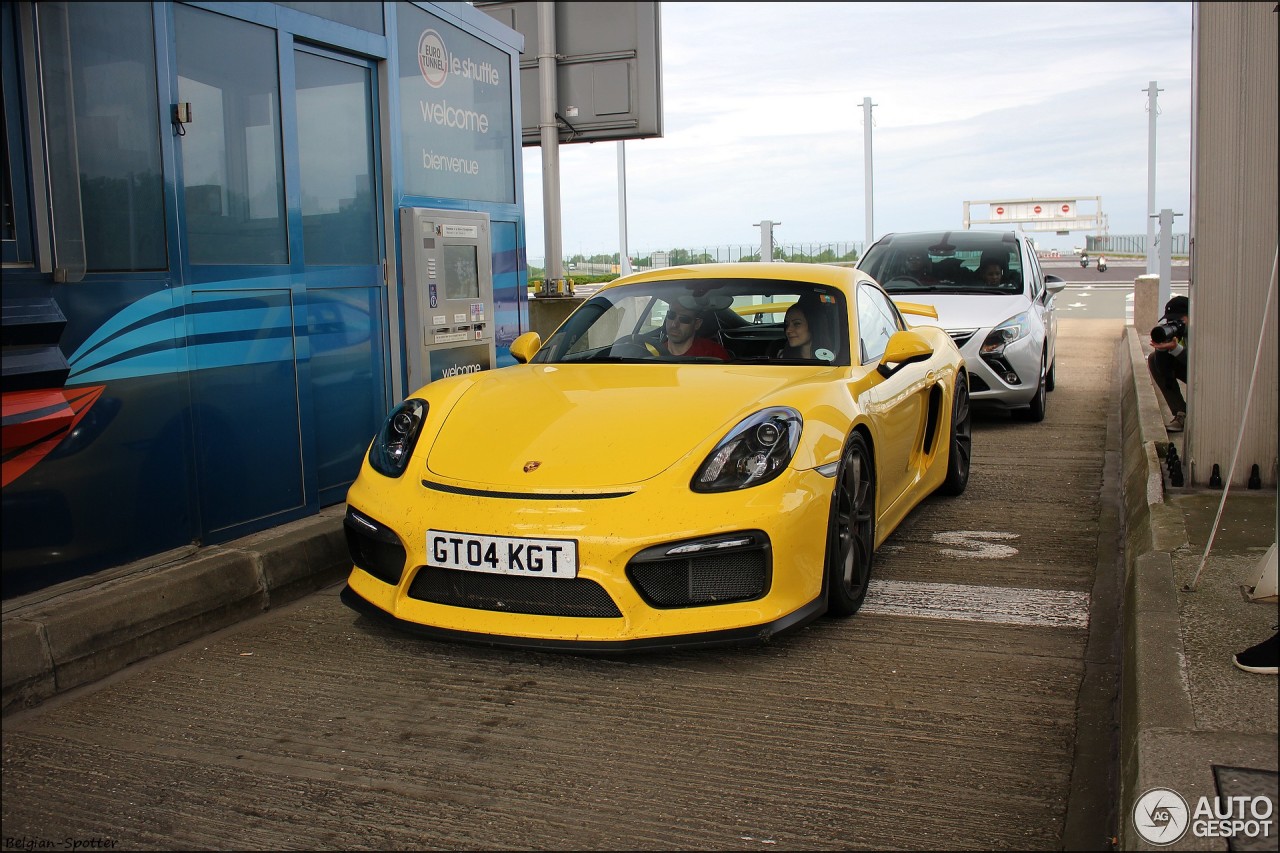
[[878, 320], [1032, 265], [232, 173], [98, 69], [15, 235]]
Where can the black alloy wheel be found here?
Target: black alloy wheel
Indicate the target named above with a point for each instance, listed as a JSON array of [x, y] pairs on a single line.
[[852, 535], [960, 446]]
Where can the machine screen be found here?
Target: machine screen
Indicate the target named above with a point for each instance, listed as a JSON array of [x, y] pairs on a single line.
[[460, 272]]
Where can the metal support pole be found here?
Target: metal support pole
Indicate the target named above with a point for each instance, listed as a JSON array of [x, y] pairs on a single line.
[[624, 259], [1166, 255], [868, 188], [1152, 111], [554, 283], [766, 238]]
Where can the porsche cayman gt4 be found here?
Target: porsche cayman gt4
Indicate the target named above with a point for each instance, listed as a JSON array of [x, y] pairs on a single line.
[[698, 456]]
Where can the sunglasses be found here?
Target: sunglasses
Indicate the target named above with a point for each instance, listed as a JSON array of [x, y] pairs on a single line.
[[683, 319]]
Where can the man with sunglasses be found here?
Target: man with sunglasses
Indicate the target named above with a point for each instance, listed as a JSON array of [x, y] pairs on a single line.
[[920, 267], [681, 337]]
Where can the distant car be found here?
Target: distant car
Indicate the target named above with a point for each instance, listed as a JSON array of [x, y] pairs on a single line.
[[602, 496], [1005, 327]]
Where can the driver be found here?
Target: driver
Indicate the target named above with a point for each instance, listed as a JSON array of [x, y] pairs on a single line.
[[919, 267], [681, 335]]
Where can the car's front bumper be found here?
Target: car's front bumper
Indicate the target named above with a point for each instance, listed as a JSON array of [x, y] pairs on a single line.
[[628, 594], [1007, 381]]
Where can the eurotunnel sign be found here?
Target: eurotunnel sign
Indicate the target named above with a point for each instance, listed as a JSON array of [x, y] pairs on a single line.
[[455, 112], [1062, 215], [608, 68]]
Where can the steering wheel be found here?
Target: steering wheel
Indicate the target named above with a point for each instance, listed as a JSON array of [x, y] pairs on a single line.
[[915, 282], [633, 346], [642, 341]]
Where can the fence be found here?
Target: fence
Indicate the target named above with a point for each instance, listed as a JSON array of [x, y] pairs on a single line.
[[820, 253], [1135, 244]]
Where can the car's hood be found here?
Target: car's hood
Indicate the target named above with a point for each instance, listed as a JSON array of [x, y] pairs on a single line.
[[971, 310], [592, 426]]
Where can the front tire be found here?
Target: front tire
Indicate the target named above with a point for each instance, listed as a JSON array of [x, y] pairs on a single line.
[[1035, 412], [960, 445], [851, 536]]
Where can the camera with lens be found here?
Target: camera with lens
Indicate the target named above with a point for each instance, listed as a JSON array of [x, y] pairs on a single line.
[[1168, 331]]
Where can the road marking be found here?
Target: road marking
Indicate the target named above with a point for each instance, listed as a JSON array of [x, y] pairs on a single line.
[[976, 541], [1052, 608]]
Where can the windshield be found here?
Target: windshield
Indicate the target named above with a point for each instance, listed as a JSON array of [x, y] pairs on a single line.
[[714, 321], [946, 262]]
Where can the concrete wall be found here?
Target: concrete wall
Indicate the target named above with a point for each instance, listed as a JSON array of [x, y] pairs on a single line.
[[1234, 223]]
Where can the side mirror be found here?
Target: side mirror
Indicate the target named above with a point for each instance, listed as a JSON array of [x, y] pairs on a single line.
[[1053, 284], [904, 348], [526, 347]]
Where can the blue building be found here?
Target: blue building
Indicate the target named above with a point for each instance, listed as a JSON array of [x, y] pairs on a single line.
[[206, 308]]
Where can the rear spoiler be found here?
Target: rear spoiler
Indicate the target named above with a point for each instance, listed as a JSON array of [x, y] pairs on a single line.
[[917, 308]]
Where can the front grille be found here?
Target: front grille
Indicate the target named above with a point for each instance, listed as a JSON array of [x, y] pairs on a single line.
[[699, 579], [977, 383], [374, 547], [961, 336], [511, 594]]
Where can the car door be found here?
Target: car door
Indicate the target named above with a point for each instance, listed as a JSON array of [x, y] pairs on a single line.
[[1042, 303], [897, 404]]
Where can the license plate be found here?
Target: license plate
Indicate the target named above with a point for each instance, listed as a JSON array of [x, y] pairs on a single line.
[[503, 555]]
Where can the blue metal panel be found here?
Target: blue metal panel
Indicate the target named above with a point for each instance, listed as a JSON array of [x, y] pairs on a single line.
[[245, 391]]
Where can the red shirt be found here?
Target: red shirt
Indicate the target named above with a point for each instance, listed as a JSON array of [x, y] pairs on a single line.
[[703, 347]]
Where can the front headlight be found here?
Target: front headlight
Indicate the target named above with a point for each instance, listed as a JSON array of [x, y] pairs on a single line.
[[754, 452], [393, 445], [1013, 329]]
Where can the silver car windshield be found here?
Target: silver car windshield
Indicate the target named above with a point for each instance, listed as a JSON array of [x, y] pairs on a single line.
[[950, 262]]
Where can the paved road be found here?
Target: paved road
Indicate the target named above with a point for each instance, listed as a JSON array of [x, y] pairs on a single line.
[[943, 716]]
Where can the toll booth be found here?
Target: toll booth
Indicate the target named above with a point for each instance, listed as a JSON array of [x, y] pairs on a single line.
[[222, 268]]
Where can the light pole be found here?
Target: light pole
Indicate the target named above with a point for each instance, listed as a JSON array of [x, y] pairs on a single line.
[[868, 188], [624, 260], [1151, 176]]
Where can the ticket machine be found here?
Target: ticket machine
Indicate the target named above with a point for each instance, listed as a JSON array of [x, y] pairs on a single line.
[[447, 272]]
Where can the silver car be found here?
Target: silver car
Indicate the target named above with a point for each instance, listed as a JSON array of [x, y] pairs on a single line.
[[991, 297]]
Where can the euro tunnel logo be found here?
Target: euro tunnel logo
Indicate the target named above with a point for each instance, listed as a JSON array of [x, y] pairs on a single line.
[[1160, 816], [433, 58]]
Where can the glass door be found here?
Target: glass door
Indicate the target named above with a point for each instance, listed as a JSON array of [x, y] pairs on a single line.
[[239, 292], [342, 260]]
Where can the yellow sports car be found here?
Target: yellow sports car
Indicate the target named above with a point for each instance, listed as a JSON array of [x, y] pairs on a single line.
[[698, 456]]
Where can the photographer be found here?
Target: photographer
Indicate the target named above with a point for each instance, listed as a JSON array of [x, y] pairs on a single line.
[[1168, 362]]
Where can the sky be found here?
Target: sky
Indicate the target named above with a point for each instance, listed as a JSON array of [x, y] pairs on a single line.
[[763, 119]]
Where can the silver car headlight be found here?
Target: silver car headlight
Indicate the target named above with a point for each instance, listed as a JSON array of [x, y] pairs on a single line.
[[1013, 329], [754, 452], [393, 445]]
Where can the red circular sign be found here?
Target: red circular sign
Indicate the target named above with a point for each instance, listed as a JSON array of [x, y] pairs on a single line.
[[1066, 208], [1037, 209], [999, 211]]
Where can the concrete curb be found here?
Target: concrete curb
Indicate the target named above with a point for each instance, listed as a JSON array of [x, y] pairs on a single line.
[[1157, 716], [77, 633]]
